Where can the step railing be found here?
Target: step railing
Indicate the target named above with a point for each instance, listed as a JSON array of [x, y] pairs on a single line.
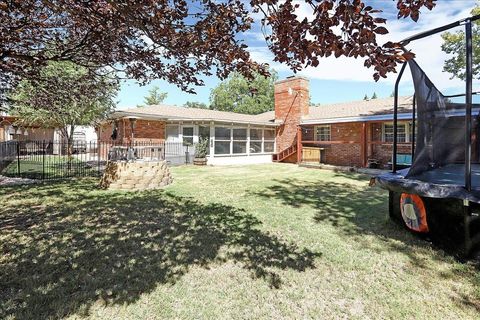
[[282, 155]]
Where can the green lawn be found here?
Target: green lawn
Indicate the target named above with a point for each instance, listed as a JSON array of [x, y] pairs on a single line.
[[265, 241]]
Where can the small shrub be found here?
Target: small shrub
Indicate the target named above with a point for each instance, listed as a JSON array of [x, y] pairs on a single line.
[[201, 148]]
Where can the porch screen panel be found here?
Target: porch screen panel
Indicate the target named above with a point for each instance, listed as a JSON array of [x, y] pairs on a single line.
[[223, 137], [172, 133], [256, 137], [187, 136], [268, 140], [204, 133], [239, 140]]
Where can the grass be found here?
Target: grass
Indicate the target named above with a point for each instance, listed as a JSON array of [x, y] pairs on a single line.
[[55, 166], [250, 242]]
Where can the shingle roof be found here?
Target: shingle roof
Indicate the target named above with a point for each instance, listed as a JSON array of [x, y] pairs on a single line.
[[180, 113], [330, 113], [355, 109]]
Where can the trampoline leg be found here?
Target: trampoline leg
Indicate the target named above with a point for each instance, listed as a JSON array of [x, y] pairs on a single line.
[[466, 228], [391, 205]]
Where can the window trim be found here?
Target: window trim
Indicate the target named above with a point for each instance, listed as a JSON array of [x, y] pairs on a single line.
[[268, 140], [260, 139], [215, 140], [233, 140], [406, 125], [315, 131], [248, 140], [192, 136]]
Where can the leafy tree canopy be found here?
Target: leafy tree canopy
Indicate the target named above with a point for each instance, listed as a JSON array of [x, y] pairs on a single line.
[[179, 41], [195, 104], [366, 97], [374, 96], [154, 97], [454, 44], [63, 96], [242, 95]]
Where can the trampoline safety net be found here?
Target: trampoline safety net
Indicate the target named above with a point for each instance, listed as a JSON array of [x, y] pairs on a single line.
[[440, 130]]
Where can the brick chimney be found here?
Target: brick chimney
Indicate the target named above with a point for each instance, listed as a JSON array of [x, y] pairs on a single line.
[[292, 102]]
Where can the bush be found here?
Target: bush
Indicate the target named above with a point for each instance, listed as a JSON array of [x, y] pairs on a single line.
[[201, 149]]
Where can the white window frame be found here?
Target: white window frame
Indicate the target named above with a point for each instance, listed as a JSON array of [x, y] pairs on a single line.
[[192, 136], [406, 125], [215, 140], [177, 138], [269, 140], [316, 135], [256, 140], [233, 141]]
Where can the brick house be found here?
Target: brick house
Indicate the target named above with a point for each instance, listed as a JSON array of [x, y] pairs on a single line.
[[233, 138], [344, 134]]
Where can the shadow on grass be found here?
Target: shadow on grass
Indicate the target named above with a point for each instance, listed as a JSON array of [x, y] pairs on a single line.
[[357, 211], [62, 255]]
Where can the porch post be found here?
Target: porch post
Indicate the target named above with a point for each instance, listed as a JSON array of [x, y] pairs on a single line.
[[299, 144], [364, 144]]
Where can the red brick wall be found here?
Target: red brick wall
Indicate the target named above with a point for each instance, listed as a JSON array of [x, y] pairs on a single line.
[[290, 106], [340, 154], [145, 130], [344, 155], [349, 153]]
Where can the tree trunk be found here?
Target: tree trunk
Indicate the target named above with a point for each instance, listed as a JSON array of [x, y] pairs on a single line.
[[70, 147]]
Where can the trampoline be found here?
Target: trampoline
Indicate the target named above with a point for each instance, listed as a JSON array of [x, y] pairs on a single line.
[[439, 195]]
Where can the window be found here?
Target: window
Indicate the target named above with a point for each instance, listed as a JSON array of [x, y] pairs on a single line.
[[187, 136], [172, 133], [222, 140], [239, 140], [268, 140], [402, 132], [256, 137], [322, 133]]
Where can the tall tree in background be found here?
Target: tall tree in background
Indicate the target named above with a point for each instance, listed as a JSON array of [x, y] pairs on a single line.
[[154, 97], [454, 44], [63, 96], [179, 41], [366, 97], [374, 96], [195, 104], [242, 95]]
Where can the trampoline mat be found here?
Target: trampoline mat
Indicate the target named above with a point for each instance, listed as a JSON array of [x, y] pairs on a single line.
[[450, 174], [444, 182]]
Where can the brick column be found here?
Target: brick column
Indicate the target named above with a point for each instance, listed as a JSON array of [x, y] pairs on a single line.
[[291, 105]]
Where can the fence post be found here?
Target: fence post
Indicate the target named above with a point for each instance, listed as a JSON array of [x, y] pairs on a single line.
[[18, 158], [186, 155], [98, 155], [43, 160]]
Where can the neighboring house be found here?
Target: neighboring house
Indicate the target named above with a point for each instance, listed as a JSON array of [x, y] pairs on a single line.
[[10, 131], [346, 134]]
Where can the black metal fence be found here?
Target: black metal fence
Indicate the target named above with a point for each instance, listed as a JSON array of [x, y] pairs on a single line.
[[57, 159]]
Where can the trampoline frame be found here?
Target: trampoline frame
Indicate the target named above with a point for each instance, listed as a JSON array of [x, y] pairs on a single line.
[[468, 94], [468, 218]]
